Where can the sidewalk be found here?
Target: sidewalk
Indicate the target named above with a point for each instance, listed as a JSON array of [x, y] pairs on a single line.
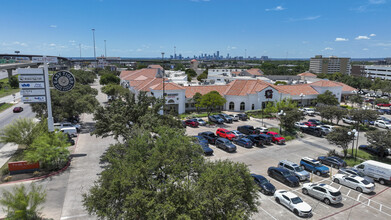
[[10, 98], [6, 152]]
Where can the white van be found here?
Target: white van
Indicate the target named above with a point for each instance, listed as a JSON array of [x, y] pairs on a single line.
[[377, 170], [69, 130]]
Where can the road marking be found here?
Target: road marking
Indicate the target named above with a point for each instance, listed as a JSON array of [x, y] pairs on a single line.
[[74, 216], [369, 202], [264, 211], [358, 197], [348, 192]]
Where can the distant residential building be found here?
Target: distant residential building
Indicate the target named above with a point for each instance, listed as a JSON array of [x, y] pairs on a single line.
[[330, 65], [378, 71], [358, 70]]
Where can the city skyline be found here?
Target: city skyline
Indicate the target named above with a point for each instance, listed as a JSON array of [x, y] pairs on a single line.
[[278, 29]]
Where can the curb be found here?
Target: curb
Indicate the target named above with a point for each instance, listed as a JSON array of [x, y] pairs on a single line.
[[50, 174]]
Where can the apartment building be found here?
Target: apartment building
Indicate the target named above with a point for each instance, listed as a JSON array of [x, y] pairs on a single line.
[[330, 65]]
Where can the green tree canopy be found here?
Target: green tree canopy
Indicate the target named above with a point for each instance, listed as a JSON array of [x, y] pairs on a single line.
[[191, 72], [164, 176], [379, 139], [81, 99], [340, 137], [327, 98], [197, 99], [23, 204], [14, 82], [21, 131], [84, 77], [109, 78], [114, 91], [211, 101]]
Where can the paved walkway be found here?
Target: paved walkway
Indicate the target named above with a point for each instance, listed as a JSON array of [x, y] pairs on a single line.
[[6, 152]]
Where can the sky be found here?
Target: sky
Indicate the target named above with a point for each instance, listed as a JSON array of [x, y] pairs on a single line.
[[145, 28]]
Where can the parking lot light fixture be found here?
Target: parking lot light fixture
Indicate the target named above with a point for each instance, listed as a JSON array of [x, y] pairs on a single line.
[[301, 96], [281, 113]]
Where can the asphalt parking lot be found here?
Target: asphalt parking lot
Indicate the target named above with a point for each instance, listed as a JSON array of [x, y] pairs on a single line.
[[355, 205]]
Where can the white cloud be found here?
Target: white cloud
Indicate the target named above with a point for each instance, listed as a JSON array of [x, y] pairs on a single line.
[[377, 2], [52, 45], [341, 39], [328, 48], [231, 48], [310, 18], [278, 8], [362, 38], [365, 49], [383, 44], [372, 35], [53, 26]]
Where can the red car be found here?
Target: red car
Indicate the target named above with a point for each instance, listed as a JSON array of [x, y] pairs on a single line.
[[384, 105], [192, 123], [224, 133], [18, 109], [276, 137], [310, 124]]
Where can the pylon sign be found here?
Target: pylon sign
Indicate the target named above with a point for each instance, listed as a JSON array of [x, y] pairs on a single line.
[[32, 83]]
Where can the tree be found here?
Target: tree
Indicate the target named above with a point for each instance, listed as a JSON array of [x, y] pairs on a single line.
[[381, 101], [109, 79], [191, 72], [164, 176], [363, 116], [340, 137], [379, 139], [327, 98], [339, 113], [81, 99], [122, 115], [189, 78], [202, 76], [14, 82], [211, 101], [50, 149], [326, 112], [291, 116], [357, 99], [22, 204], [84, 77], [197, 99], [21, 131], [114, 91]]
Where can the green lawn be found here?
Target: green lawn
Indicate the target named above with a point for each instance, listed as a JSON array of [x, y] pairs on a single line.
[[9, 91], [195, 115], [5, 106], [366, 156]]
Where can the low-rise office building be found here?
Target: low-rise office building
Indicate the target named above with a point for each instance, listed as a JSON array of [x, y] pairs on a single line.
[[378, 71]]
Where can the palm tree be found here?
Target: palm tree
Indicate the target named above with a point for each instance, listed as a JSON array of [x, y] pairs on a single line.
[[21, 204]]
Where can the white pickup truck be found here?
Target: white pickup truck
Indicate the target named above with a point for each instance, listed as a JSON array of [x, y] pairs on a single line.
[[308, 111]]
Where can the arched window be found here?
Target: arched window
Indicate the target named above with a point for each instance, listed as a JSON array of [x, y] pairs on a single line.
[[231, 106], [252, 107], [242, 106], [171, 101]]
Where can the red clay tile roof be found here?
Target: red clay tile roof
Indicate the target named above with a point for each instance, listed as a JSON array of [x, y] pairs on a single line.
[[155, 67], [192, 90], [133, 75], [255, 72], [306, 89], [307, 74], [346, 88], [167, 86], [325, 83]]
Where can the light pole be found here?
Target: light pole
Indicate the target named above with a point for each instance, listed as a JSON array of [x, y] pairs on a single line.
[[355, 134], [281, 113], [164, 99], [93, 38], [301, 96]]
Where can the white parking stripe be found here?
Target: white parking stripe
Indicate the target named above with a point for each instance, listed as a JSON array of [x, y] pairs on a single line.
[[268, 213]]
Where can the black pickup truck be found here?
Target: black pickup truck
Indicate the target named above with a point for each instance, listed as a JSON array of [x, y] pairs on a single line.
[[210, 136], [248, 129], [260, 139]]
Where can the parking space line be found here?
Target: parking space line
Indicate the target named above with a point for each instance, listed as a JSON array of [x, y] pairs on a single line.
[[268, 213], [280, 205], [358, 197], [348, 192]]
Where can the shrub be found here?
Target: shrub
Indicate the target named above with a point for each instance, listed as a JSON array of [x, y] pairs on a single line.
[[14, 82], [7, 179]]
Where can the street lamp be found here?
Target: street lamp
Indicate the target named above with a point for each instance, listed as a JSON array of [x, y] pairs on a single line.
[[301, 96], [93, 38], [281, 113], [355, 134]]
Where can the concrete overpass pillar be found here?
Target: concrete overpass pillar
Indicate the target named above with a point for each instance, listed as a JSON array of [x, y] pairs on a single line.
[[9, 73]]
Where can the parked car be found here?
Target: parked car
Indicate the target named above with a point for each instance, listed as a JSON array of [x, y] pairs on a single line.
[[300, 125], [262, 129], [247, 129], [295, 169], [244, 142], [382, 124], [224, 133], [204, 145], [260, 139], [310, 124], [225, 144], [192, 123], [313, 131], [242, 116], [18, 109], [293, 203], [384, 104], [348, 120], [308, 111], [326, 129], [216, 119], [314, 166], [237, 134], [315, 121], [234, 117], [265, 186], [69, 130], [209, 136], [60, 125], [354, 182], [332, 161], [200, 121], [383, 119], [381, 111], [283, 175], [353, 171], [374, 151], [323, 192], [377, 170], [226, 118], [276, 137]]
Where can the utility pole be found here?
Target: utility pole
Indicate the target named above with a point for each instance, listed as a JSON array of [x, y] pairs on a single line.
[[105, 50], [164, 99], [93, 37]]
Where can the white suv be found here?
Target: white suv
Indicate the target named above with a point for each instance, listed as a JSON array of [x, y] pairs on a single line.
[[293, 202], [358, 183], [383, 124], [323, 192], [308, 111]]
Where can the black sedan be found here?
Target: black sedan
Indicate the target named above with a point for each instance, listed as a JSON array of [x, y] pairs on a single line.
[[265, 186], [332, 161], [374, 151], [283, 175], [244, 142]]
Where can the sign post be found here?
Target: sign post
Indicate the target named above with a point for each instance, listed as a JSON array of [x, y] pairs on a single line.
[[48, 98]]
